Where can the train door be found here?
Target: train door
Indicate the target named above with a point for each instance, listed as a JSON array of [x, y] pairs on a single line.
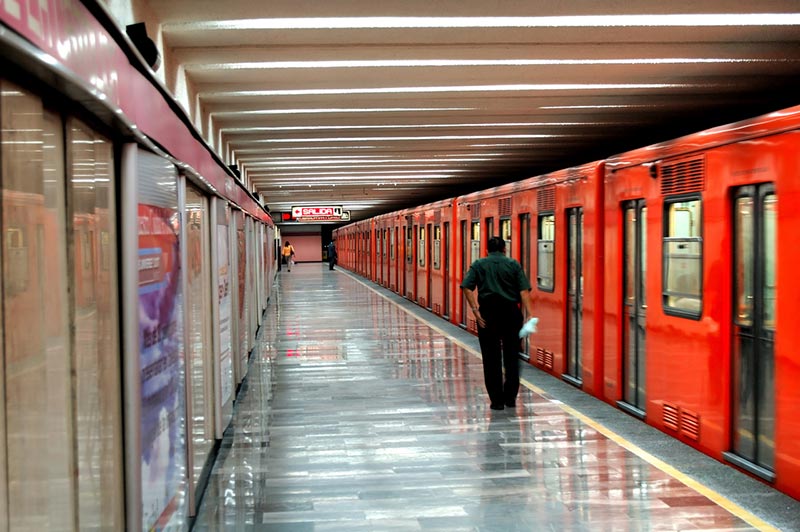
[[393, 280], [755, 260], [634, 306], [525, 261], [446, 273], [408, 267], [429, 239], [465, 263], [574, 294]]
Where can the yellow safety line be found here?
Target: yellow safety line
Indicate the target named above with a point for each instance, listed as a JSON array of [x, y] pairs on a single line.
[[718, 499]]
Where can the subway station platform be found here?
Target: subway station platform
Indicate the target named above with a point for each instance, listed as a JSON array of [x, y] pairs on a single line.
[[362, 412]]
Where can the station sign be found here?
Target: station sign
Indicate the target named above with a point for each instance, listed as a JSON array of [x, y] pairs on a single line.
[[329, 213]]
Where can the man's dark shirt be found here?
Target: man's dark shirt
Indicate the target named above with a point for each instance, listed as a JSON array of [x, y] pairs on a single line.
[[497, 275]]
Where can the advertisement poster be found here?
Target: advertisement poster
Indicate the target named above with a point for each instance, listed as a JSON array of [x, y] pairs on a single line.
[[161, 353], [224, 290]]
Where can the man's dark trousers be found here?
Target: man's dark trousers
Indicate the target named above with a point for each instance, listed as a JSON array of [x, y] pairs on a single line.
[[500, 344]]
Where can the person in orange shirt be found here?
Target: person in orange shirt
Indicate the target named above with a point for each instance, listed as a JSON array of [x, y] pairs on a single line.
[[288, 255]]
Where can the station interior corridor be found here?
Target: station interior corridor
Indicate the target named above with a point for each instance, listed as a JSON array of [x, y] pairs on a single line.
[[361, 411]]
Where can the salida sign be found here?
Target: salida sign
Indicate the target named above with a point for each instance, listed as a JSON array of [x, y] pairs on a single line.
[[318, 214]]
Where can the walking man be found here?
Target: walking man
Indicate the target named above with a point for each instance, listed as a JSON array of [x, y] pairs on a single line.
[[494, 287], [331, 254]]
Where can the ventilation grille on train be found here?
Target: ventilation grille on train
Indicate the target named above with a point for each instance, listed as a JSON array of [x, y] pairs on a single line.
[[475, 209], [544, 358], [690, 424], [681, 420], [546, 199], [670, 415], [437, 309], [505, 206], [681, 177], [421, 302]]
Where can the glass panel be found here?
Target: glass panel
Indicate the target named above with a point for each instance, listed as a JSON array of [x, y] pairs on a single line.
[[745, 403], [96, 345], [630, 256], [743, 263], [37, 368], [475, 250], [683, 257], [161, 344], [546, 252], [437, 247], [524, 243], [683, 264], [770, 280], [197, 304], [391, 244], [409, 245], [505, 234], [642, 274], [421, 247]]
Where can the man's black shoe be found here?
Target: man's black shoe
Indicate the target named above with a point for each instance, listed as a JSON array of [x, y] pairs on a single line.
[[511, 404], [496, 407]]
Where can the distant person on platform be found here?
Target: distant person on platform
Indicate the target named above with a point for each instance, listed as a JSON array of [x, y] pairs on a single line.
[[332, 256], [494, 287], [288, 255]]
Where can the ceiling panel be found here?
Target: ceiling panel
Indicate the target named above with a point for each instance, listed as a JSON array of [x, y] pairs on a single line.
[[379, 105]]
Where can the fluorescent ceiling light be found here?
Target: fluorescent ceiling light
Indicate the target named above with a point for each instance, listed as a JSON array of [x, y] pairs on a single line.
[[367, 139], [339, 110], [260, 168], [457, 88], [291, 162], [398, 173], [392, 63], [598, 106], [577, 21], [408, 126]]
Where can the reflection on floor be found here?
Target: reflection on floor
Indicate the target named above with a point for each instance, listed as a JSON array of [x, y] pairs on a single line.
[[357, 416]]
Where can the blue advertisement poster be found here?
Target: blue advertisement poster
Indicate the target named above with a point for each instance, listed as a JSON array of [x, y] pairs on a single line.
[[161, 352]]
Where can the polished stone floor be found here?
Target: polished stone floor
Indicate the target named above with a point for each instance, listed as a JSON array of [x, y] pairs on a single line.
[[358, 415]]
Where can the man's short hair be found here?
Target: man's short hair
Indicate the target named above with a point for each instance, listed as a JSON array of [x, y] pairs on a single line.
[[496, 244]]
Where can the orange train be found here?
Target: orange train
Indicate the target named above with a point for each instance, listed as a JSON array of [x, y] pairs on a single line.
[[655, 276]]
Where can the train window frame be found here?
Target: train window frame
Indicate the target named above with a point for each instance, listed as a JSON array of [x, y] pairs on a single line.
[[505, 224], [668, 239], [437, 247], [409, 244], [551, 287], [421, 246]]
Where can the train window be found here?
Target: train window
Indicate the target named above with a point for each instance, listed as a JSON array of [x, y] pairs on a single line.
[[475, 242], [545, 257], [683, 257], [505, 234], [437, 247], [421, 244], [770, 282], [391, 244], [409, 243]]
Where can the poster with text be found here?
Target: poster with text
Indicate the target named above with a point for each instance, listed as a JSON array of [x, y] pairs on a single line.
[[161, 353]]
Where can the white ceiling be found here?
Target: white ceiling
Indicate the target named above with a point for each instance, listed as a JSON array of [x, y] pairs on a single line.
[[376, 105]]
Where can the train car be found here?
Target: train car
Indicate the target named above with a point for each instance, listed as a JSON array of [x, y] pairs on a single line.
[[475, 217], [439, 252], [558, 218], [381, 251], [700, 233]]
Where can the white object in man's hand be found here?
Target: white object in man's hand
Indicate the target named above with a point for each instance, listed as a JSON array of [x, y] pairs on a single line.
[[529, 327]]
